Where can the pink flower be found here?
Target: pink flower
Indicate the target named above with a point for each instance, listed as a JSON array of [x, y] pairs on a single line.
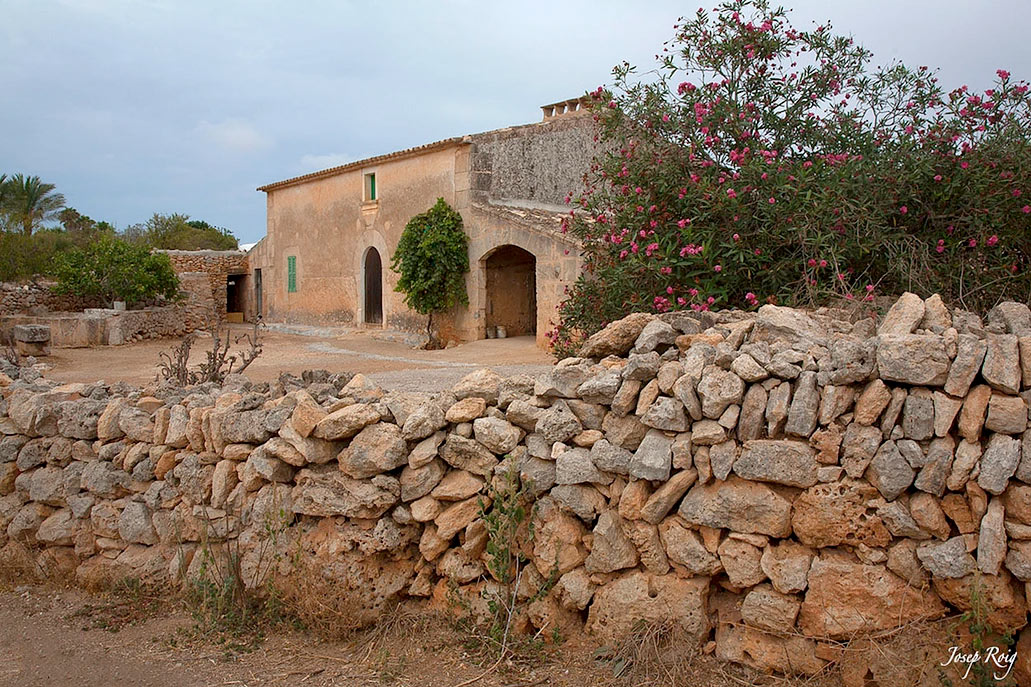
[[972, 243], [903, 209], [665, 117], [964, 164], [823, 263], [869, 287], [1003, 74], [731, 193], [1016, 193], [717, 268], [1026, 209], [736, 237], [811, 262], [772, 201], [612, 104], [937, 177], [849, 296], [992, 240]]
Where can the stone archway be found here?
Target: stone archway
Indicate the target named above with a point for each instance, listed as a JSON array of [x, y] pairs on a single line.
[[372, 273], [511, 285]]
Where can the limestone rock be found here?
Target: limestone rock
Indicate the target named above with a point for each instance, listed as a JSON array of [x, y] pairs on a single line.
[[718, 389], [767, 609], [327, 492], [839, 513], [640, 597], [802, 415], [904, 316], [617, 337], [741, 562], [655, 334], [576, 467], [611, 458], [970, 353], [558, 423], [423, 422], [739, 505], [1003, 597], [612, 550], [467, 454], [1006, 414], [991, 539], [845, 599], [1001, 367], [653, 458], [998, 463], [917, 359], [889, 471], [684, 547], [666, 414], [948, 559], [666, 497], [484, 383], [346, 422], [466, 410], [859, 446], [791, 463], [500, 436], [376, 449], [787, 564]]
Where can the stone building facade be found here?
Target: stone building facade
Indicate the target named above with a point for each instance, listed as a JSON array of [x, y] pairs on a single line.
[[331, 235]]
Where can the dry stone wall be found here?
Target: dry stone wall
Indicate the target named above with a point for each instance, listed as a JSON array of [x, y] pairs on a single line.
[[775, 481], [39, 297]]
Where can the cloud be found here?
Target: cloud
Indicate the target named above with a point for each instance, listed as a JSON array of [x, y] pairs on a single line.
[[235, 135], [315, 163]]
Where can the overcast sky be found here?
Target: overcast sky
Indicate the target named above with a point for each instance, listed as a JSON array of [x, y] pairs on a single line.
[[139, 106]]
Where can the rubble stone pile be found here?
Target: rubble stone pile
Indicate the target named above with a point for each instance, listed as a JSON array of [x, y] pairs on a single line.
[[775, 481]]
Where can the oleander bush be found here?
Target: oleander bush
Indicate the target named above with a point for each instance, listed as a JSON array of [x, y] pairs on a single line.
[[760, 163]]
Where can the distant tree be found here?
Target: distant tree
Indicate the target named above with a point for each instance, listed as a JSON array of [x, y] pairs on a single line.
[[179, 232], [29, 203], [112, 268], [432, 258]]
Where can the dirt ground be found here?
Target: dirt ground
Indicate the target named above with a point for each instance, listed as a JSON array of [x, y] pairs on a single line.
[[58, 637], [391, 363]]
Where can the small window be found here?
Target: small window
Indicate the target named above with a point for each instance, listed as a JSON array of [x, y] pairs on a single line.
[[370, 187], [291, 274]]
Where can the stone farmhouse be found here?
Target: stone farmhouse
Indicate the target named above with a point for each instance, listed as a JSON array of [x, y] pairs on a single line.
[[331, 234]]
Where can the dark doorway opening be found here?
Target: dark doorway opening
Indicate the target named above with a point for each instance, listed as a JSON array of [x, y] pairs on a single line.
[[257, 293], [234, 297], [373, 287], [512, 291]]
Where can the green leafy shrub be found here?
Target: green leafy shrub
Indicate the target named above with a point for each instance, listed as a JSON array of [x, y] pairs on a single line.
[[432, 258], [179, 232], [113, 269], [761, 163]]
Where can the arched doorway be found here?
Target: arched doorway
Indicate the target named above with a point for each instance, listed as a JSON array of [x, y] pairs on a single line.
[[373, 269], [512, 290]]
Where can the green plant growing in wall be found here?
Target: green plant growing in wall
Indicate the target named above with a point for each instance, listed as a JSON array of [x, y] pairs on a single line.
[[432, 258]]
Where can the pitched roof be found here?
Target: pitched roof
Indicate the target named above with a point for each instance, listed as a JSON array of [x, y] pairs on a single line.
[[357, 164]]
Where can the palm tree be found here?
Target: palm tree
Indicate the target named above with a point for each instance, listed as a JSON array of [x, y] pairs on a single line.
[[29, 202]]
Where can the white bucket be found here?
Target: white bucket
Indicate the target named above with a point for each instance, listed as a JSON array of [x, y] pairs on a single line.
[[501, 332]]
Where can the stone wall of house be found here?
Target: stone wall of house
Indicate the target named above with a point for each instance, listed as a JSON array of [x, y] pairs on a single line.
[[217, 265], [776, 482]]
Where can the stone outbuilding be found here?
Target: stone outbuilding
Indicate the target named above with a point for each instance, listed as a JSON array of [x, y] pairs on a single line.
[[331, 235]]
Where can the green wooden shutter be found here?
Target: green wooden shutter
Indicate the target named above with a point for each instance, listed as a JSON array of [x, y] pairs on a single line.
[[291, 274], [372, 185]]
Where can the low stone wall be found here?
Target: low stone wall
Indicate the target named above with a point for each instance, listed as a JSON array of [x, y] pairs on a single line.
[[39, 297], [106, 327], [778, 482]]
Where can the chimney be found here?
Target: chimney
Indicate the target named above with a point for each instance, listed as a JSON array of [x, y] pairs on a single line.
[[564, 108]]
